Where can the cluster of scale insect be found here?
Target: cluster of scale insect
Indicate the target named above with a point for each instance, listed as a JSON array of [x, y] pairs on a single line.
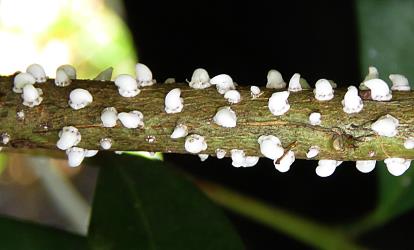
[[278, 104]]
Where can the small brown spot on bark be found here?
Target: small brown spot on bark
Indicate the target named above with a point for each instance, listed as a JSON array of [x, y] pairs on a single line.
[[365, 94]]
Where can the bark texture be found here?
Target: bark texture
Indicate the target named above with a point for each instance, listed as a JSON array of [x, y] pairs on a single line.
[[340, 136]]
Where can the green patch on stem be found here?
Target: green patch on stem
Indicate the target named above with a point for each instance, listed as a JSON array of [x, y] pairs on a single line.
[[3, 162]]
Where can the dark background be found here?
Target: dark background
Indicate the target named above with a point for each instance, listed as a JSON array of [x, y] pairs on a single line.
[[245, 40]]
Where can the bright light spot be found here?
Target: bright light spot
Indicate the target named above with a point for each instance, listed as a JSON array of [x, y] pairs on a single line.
[[13, 59], [55, 32], [28, 15], [54, 54], [99, 32]]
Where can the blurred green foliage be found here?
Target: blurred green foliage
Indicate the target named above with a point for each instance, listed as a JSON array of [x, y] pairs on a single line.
[[21, 235], [106, 43], [138, 204], [386, 38], [86, 34], [143, 204]]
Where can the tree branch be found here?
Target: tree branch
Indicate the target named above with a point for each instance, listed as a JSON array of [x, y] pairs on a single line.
[[340, 136]]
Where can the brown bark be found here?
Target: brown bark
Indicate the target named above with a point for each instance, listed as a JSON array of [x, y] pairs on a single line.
[[340, 136]]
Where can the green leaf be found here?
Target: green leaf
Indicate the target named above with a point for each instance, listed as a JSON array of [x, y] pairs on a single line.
[[143, 204], [396, 193], [386, 32], [16, 235], [303, 229]]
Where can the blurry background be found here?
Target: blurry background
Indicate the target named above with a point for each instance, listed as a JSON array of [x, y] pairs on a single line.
[[244, 40], [90, 35]]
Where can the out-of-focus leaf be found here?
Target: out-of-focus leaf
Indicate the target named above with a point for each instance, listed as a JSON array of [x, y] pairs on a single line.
[[386, 33], [96, 43], [142, 204], [18, 235], [149, 155], [396, 193]]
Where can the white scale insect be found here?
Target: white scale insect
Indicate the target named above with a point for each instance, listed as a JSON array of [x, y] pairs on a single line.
[[195, 144], [225, 117], [127, 85], [80, 98], [173, 101]]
